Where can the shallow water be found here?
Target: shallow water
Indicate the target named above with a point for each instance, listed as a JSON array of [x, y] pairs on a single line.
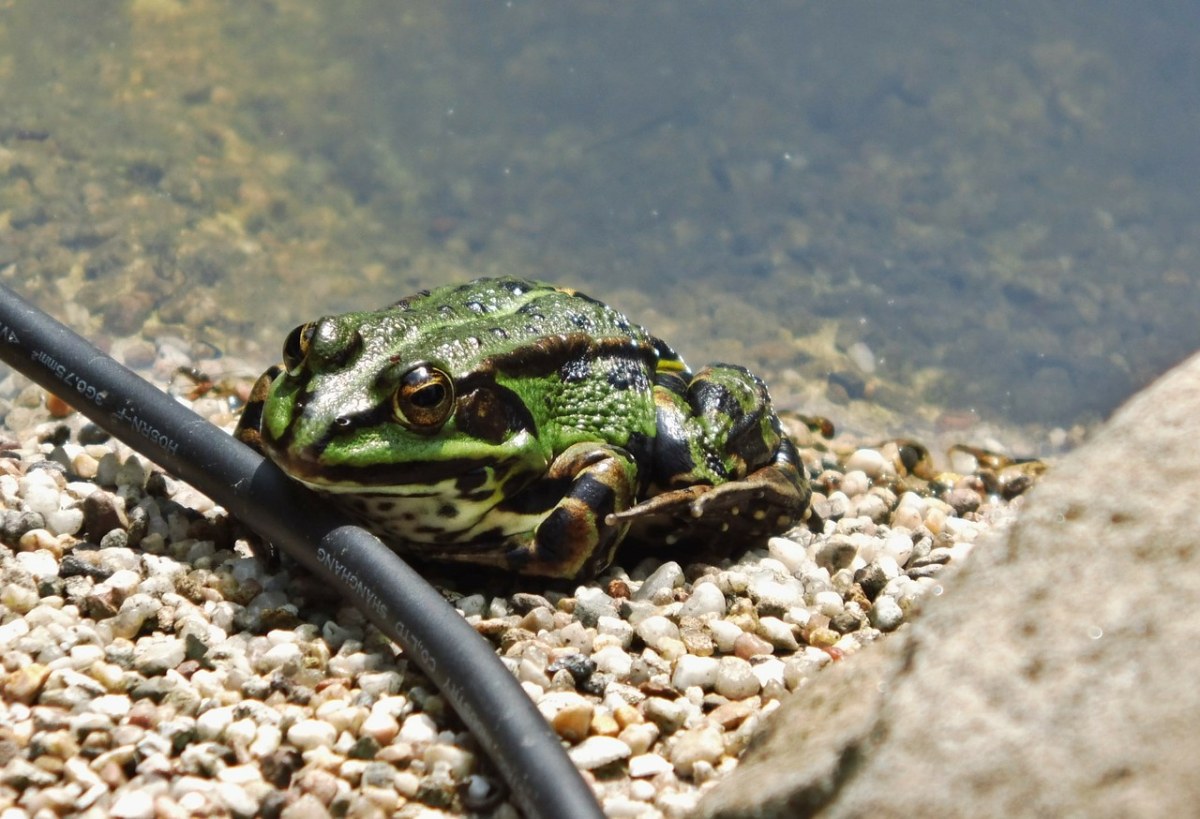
[[976, 219]]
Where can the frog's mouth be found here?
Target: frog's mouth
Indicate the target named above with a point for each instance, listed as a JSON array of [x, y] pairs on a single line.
[[311, 466]]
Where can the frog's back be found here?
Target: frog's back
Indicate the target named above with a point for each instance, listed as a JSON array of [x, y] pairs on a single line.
[[585, 372], [493, 315]]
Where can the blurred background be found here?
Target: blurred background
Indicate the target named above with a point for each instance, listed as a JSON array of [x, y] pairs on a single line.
[[934, 219]]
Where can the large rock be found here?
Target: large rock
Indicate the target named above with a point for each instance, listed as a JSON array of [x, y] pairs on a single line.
[[1058, 673]]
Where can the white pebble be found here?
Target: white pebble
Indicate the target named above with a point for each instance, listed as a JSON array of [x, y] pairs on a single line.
[[862, 356], [455, 761], [855, 482], [706, 598], [767, 590], [691, 670], [41, 499], [12, 631], [644, 765], [418, 728], [870, 461], [640, 736], [724, 634], [240, 733], [655, 630], [778, 633], [136, 803], [381, 727], [617, 628], [598, 751], [41, 563], [898, 546], [65, 521], [791, 554], [828, 603], [279, 656], [768, 670], [311, 733], [212, 723], [886, 613], [735, 679], [111, 705], [266, 741]]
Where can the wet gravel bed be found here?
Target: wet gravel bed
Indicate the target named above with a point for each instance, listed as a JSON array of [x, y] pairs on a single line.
[[152, 666]]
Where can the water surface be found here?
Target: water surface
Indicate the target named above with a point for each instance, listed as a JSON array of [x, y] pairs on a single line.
[[908, 217]]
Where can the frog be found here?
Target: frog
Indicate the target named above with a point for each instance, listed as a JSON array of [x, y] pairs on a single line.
[[523, 426]]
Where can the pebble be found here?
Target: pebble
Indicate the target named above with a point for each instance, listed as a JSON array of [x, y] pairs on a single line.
[[690, 749], [596, 752], [171, 653], [696, 671], [661, 582], [133, 804], [735, 679], [311, 733], [886, 614], [706, 598], [778, 633], [868, 461], [656, 630], [646, 765], [40, 563], [725, 634]]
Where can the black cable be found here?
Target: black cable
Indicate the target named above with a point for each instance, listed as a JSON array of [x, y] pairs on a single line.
[[395, 598]]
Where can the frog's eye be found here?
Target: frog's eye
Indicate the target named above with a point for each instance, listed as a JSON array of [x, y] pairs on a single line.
[[295, 347], [424, 399]]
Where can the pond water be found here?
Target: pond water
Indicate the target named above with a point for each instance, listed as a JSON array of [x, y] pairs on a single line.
[[912, 218]]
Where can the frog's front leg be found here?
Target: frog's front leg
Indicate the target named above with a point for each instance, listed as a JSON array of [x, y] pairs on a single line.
[[580, 535]]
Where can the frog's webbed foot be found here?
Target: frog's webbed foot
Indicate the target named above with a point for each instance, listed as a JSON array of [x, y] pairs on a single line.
[[765, 502]]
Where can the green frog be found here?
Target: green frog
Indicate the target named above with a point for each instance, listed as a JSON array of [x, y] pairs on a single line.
[[524, 426]]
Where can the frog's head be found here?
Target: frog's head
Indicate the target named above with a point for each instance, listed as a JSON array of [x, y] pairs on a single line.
[[373, 400]]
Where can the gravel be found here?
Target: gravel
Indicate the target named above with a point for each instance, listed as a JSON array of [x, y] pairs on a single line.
[[150, 665]]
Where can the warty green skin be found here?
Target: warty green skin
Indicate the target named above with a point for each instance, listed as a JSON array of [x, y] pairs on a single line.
[[524, 426]]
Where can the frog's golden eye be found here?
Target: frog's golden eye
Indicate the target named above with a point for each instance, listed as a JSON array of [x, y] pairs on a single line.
[[295, 347], [424, 399]]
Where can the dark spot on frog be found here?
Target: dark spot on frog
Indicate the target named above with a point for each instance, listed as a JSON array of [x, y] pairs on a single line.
[[541, 496], [470, 481], [493, 414], [582, 321], [577, 369], [627, 374], [448, 511]]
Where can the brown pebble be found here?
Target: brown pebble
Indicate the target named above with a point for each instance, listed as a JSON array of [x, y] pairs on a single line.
[[573, 723], [618, 589], [102, 514], [24, 684], [57, 407], [696, 637], [144, 714], [604, 724], [627, 715], [732, 714], [822, 637]]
